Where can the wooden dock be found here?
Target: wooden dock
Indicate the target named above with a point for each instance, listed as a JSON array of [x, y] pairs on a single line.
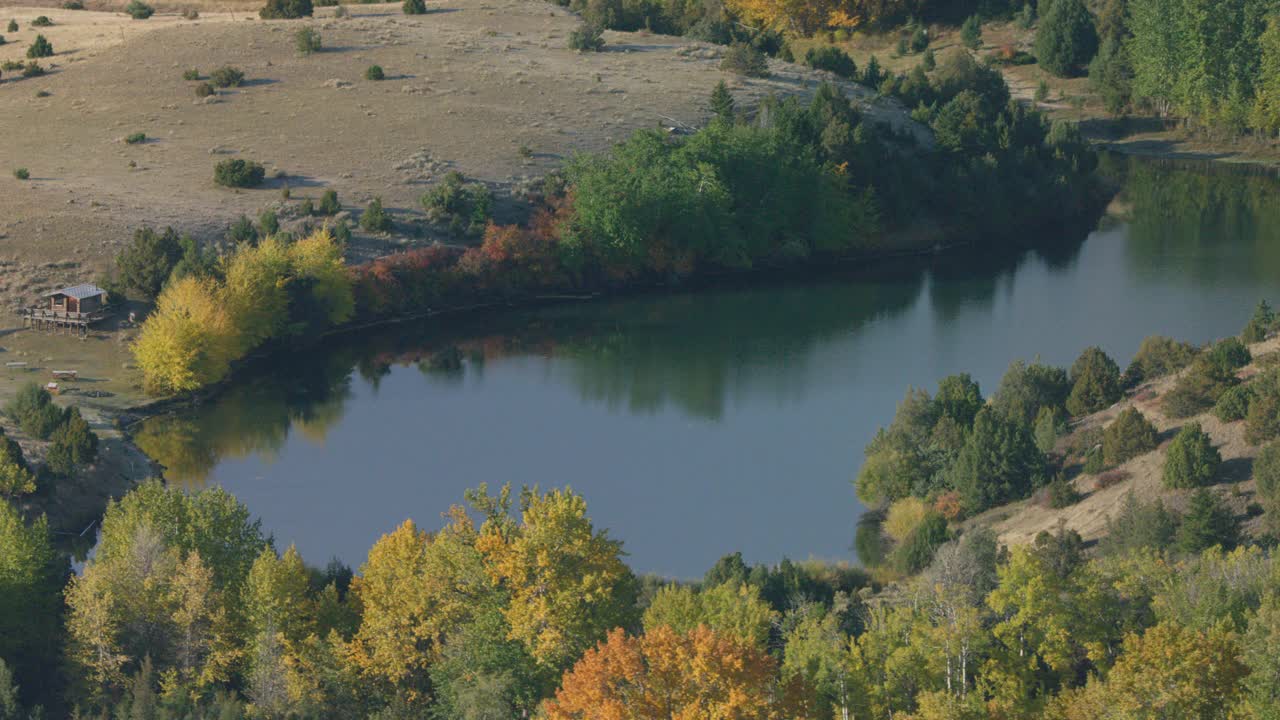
[[61, 322]]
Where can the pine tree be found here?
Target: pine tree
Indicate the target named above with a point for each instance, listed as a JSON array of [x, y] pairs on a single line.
[[74, 445], [971, 32], [414, 7], [1191, 461], [1095, 382], [1067, 38], [722, 105], [1208, 522], [1264, 318], [374, 218]]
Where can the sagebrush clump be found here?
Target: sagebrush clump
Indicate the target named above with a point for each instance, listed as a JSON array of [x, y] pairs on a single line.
[[286, 9], [192, 74], [463, 206], [204, 90], [374, 72], [307, 41], [238, 173], [588, 37], [139, 10], [744, 59], [226, 76]]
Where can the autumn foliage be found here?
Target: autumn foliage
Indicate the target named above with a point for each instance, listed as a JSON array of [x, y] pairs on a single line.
[[664, 675]]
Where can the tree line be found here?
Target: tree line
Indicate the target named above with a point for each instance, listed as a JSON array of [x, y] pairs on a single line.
[[188, 610]]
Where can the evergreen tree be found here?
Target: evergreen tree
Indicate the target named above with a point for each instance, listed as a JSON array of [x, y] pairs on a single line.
[[722, 106], [1192, 460], [146, 264], [999, 462], [329, 204], [1095, 382], [1264, 318], [1207, 522], [1137, 525], [374, 218], [414, 7], [74, 445], [1066, 39], [1128, 436], [971, 32]]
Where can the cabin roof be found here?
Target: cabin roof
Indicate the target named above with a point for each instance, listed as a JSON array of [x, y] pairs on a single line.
[[79, 292]]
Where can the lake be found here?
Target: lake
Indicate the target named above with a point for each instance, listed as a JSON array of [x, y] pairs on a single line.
[[728, 418]]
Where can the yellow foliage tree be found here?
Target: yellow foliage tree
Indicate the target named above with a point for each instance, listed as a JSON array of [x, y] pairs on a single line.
[[187, 342], [568, 583]]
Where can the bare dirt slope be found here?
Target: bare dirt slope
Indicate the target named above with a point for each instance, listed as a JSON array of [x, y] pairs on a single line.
[[468, 86], [1019, 523]]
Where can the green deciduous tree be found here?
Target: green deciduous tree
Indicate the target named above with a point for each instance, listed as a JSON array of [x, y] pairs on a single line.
[[730, 609]]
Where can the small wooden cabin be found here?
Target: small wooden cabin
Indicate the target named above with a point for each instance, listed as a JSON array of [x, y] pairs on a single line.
[[83, 298]]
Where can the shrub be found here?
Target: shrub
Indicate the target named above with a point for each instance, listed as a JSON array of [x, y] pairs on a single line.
[[41, 21], [744, 59], [204, 90], [587, 37], [1266, 474], [929, 61], [1208, 522], [464, 206], [238, 173], [341, 12], [32, 69], [32, 409], [40, 48], [139, 10], [1050, 425], [242, 231], [917, 551], [1027, 16], [21, 173], [1229, 355], [948, 505], [146, 264], [329, 203], [1263, 320], [190, 14], [342, 232], [971, 32], [74, 445], [285, 9], [1067, 38], [1137, 526], [904, 517], [1262, 422], [1110, 478], [226, 76], [919, 39], [307, 208], [374, 72], [1095, 383], [1129, 435], [1191, 461], [192, 74], [1059, 494], [1042, 91], [831, 59], [135, 138], [1093, 461], [1158, 356], [1233, 404], [13, 26], [306, 40], [414, 7], [268, 223], [374, 218], [1197, 390]]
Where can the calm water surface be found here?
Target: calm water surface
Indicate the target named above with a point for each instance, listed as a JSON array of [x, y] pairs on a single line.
[[731, 418]]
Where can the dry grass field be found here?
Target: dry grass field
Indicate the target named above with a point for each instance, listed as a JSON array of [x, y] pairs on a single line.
[[484, 87]]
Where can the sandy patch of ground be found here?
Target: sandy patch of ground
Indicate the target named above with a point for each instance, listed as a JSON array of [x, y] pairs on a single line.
[[1019, 523]]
